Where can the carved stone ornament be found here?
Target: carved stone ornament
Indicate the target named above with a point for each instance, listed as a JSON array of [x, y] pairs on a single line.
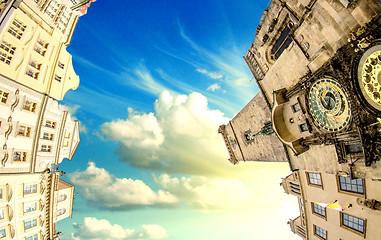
[[369, 203]]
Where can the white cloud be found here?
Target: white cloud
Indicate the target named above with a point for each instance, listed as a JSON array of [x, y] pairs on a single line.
[[188, 141], [103, 190], [136, 131], [101, 229], [212, 75], [213, 87], [207, 193]]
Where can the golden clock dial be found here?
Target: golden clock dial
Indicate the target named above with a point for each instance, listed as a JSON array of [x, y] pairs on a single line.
[[329, 105], [369, 76]]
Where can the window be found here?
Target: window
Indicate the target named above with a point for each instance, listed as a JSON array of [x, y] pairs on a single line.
[[31, 73], [19, 156], [17, 29], [30, 188], [282, 43], [33, 237], [296, 107], [24, 131], [351, 185], [318, 209], [29, 207], [2, 233], [30, 106], [3, 96], [232, 142], [314, 179], [1, 193], [46, 148], [353, 148], [352, 222], [50, 124], [6, 53], [303, 127], [61, 197], [30, 223], [61, 211], [1, 214], [35, 65], [41, 47], [57, 78], [61, 65], [320, 232], [47, 136]]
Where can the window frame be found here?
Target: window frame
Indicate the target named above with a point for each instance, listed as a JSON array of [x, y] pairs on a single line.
[[316, 233], [30, 188], [296, 107], [303, 127], [29, 209], [47, 136], [24, 131], [19, 156], [29, 106], [319, 207], [50, 124], [357, 193], [350, 228], [32, 222], [32, 237], [310, 183], [46, 148], [3, 96]]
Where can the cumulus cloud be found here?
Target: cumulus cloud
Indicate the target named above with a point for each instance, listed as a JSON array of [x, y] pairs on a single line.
[[137, 131], [182, 137], [213, 87], [212, 75], [103, 190], [207, 193], [101, 229]]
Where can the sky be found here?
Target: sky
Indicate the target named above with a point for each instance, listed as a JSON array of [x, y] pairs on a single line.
[[157, 78]]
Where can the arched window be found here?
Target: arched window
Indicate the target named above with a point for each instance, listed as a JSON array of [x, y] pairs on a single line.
[[61, 197], [61, 211]]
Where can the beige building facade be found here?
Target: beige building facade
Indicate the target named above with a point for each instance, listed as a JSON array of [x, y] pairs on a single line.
[[34, 132], [33, 51], [317, 65], [360, 221], [31, 205]]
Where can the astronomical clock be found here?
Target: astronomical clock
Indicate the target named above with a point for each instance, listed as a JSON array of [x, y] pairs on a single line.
[[369, 76], [328, 105]]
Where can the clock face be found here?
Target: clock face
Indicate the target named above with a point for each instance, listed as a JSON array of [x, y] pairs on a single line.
[[369, 76], [328, 105]]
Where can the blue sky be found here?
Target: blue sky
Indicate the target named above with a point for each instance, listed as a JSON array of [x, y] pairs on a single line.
[[156, 80]]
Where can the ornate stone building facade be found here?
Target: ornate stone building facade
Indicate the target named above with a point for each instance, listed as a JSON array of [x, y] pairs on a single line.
[[317, 62], [249, 136], [31, 205], [33, 40], [35, 133]]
